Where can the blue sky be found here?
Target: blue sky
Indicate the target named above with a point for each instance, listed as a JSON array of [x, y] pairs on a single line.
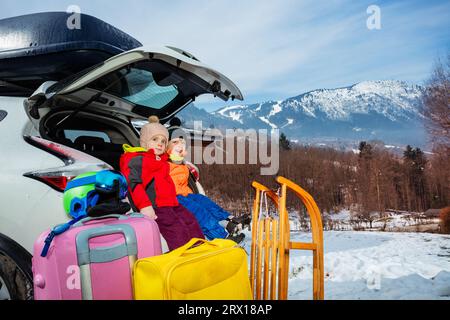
[[277, 49]]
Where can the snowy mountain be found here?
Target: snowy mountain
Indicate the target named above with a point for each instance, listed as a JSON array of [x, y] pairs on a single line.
[[371, 110], [192, 113]]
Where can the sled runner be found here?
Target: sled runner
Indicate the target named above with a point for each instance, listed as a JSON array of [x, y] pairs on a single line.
[[269, 263]]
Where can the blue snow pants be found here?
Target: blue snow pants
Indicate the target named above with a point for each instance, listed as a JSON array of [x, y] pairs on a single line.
[[208, 214]]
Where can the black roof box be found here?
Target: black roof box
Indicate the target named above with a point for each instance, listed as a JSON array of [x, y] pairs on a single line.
[[38, 47]]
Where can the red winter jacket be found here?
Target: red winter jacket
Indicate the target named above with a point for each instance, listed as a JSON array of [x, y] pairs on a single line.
[[149, 181]]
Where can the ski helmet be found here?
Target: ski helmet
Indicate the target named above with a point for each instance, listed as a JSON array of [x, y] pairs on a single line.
[[80, 195]]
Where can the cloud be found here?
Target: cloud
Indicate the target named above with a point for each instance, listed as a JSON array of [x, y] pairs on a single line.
[[278, 49]]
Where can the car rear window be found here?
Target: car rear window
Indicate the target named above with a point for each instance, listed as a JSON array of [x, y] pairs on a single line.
[[3, 114], [137, 85], [143, 90]]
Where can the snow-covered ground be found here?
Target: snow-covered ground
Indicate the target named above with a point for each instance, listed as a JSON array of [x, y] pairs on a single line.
[[373, 265]]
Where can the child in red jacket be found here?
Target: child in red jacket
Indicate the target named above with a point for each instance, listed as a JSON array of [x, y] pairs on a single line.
[[152, 189]]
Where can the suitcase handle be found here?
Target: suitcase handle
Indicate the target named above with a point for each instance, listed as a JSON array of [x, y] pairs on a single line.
[[190, 244], [118, 216], [86, 256]]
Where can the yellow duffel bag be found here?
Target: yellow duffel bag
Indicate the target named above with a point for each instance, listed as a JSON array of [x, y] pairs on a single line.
[[213, 270]]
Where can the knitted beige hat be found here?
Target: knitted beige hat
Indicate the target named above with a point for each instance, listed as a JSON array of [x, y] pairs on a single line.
[[152, 129]]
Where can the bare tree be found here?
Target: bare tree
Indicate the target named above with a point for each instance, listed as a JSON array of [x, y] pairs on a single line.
[[437, 104]]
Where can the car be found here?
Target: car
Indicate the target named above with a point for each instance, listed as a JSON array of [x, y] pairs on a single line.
[[76, 123]]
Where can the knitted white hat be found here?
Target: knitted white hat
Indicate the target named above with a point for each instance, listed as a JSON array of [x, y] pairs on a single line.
[[151, 129]]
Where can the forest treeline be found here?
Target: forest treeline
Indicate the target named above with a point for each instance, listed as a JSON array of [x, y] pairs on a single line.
[[373, 180]]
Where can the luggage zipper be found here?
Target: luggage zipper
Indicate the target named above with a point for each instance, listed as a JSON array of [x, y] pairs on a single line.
[[169, 273]]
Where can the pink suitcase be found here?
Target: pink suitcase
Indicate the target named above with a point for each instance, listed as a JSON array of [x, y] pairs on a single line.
[[93, 259]]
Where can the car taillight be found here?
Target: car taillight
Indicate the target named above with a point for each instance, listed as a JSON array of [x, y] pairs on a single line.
[[56, 182], [66, 154], [76, 162]]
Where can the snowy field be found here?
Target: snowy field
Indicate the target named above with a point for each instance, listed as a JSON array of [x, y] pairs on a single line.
[[373, 265]]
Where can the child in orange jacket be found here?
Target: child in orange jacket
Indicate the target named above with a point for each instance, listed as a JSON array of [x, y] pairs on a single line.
[[214, 220]]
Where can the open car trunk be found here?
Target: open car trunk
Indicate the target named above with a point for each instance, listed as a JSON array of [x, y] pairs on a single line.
[[94, 110], [134, 85]]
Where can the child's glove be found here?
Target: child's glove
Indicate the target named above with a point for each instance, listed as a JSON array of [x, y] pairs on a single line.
[[236, 224], [233, 228], [149, 212]]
